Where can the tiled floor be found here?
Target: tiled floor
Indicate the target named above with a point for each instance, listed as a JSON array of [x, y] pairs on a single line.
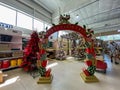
[[66, 76]]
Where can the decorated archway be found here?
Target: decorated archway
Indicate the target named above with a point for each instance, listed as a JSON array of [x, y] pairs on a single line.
[[36, 50], [71, 27], [87, 74]]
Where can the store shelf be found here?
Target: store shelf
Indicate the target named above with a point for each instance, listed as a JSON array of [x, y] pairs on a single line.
[[10, 58], [6, 51], [3, 69], [10, 46], [10, 42], [11, 32]]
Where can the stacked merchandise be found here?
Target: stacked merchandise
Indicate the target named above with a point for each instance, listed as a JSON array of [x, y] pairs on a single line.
[[9, 58], [4, 47], [16, 62], [6, 64], [10, 45]]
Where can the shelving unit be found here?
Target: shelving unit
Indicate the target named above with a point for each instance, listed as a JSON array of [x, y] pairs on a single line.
[[10, 49], [9, 68], [9, 58]]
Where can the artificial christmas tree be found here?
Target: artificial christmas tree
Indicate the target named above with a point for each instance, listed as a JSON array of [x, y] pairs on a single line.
[[30, 56]]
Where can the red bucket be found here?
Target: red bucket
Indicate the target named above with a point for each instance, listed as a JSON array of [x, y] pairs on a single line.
[[5, 64]]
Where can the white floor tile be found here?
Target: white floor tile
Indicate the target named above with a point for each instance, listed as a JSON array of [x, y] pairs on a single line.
[[66, 76]]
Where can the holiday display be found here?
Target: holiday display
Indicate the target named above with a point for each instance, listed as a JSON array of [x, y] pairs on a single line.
[[35, 57], [30, 57], [35, 52], [88, 40], [42, 62], [74, 47], [60, 54], [71, 38], [88, 74], [101, 65], [64, 19]]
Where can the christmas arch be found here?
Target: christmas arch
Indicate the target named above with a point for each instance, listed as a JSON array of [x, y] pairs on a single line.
[[71, 27], [87, 74]]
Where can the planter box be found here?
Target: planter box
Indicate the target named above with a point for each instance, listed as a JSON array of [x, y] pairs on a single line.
[[45, 80]]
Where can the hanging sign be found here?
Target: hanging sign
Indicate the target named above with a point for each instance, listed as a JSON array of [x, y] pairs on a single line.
[[5, 25]]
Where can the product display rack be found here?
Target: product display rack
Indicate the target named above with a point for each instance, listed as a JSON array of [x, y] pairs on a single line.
[[10, 47], [10, 58]]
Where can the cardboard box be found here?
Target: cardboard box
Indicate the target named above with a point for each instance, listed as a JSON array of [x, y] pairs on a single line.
[[1, 77]]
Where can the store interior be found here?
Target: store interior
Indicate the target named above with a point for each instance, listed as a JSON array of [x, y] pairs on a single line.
[[55, 45]]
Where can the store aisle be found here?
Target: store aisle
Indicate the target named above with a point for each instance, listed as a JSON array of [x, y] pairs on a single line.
[[66, 76]]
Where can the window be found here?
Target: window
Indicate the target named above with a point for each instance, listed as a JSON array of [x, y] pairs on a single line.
[[38, 25], [24, 21], [61, 33], [109, 37], [7, 15], [48, 26]]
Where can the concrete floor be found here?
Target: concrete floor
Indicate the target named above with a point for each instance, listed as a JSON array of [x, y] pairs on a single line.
[[66, 76]]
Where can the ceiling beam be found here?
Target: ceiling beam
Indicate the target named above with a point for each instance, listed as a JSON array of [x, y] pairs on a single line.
[[36, 7], [44, 6], [101, 13]]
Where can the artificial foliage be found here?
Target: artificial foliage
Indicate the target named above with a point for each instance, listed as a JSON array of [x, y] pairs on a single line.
[[60, 55], [35, 55], [42, 55], [90, 54], [29, 59]]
